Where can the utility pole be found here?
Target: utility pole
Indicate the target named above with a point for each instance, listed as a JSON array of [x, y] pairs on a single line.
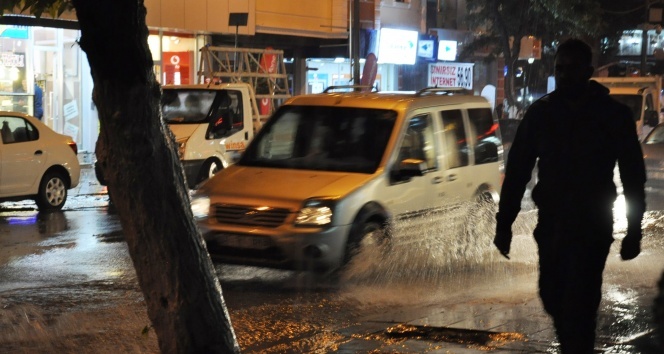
[[644, 38], [355, 41]]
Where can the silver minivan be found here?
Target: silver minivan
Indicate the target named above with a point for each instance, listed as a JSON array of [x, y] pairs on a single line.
[[329, 173]]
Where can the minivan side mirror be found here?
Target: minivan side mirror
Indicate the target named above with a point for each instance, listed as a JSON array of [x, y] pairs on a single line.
[[408, 169], [651, 118]]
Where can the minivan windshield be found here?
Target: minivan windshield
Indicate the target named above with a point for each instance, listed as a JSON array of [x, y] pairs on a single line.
[[186, 106], [322, 138]]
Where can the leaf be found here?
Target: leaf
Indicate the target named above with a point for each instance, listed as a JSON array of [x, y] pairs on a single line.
[[55, 8]]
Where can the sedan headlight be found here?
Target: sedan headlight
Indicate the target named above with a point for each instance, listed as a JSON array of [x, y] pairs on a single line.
[[200, 206], [315, 213]]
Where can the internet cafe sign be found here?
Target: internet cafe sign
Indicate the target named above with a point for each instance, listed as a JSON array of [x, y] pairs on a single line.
[[451, 75]]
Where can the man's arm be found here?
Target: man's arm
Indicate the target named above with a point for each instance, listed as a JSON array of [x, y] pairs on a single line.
[[520, 162], [633, 177]]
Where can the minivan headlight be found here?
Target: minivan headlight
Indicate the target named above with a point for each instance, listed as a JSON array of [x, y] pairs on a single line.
[[315, 213], [200, 206]]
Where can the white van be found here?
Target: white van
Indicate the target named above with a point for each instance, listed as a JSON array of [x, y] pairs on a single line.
[[212, 124], [330, 172]]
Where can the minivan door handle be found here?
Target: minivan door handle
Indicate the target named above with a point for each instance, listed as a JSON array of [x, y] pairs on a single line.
[[437, 180], [38, 152], [451, 177]]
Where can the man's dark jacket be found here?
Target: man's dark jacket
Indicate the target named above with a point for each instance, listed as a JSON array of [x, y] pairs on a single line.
[[577, 151]]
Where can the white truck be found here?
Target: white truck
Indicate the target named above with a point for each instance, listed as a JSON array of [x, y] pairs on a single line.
[[641, 94], [212, 124], [213, 121]]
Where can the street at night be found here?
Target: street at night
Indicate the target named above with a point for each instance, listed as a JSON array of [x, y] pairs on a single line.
[[67, 284]]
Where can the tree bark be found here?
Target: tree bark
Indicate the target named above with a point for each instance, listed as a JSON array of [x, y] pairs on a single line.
[[175, 273], [508, 51]]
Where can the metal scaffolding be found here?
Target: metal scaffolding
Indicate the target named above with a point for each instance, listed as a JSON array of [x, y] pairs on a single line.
[[263, 69]]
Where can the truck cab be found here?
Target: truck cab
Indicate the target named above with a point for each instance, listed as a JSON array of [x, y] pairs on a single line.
[[212, 124], [641, 95]]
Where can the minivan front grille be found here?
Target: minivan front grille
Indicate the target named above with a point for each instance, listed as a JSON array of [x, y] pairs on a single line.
[[252, 216]]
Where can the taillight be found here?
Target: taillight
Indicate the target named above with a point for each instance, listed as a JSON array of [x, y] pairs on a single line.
[[73, 146]]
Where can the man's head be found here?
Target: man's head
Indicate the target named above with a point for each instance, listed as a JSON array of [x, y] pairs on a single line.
[[573, 66]]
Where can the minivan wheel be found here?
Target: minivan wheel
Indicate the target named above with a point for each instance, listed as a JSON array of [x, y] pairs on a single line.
[[370, 236], [479, 222], [52, 192]]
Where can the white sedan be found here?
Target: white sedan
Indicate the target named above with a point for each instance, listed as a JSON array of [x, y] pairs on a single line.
[[36, 162]]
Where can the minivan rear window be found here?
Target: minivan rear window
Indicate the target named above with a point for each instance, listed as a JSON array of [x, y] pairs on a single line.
[[322, 138]]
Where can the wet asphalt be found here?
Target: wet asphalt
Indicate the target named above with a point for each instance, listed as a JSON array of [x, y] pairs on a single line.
[[410, 304]]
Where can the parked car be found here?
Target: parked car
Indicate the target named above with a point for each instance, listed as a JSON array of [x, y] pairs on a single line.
[[36, 162], [329, 173], [653, 154]]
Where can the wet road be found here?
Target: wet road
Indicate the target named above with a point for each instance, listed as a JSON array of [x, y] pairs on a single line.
[[68, 275]]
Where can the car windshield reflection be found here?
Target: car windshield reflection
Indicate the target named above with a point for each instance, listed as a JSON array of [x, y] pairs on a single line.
[[186, 106]]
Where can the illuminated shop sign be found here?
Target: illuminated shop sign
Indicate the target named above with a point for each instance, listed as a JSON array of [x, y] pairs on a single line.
[[451, 75], [447, 50], [16, 32], [427, 47], [397, 46]]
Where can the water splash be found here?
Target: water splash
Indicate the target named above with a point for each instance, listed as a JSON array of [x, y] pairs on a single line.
[[435, 246]]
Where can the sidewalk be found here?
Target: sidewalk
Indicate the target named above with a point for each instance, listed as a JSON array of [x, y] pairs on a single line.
[[88, 184]]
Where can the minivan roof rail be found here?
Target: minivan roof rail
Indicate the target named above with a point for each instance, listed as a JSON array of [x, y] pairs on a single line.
[[353, 87], [440, 90]]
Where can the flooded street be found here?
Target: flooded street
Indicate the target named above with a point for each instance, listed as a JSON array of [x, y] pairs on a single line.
[[67, 284]]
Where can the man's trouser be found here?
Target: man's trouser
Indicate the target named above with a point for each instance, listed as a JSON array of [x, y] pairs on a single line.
[[572, 254]]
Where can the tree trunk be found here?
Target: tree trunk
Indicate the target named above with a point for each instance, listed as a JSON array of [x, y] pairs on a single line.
[[507, 49], [175, 273]]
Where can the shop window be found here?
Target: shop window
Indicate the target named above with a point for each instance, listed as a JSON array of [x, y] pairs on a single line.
[[177, 62]]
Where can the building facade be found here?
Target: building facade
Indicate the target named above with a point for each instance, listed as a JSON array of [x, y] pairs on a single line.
[[314, 36]]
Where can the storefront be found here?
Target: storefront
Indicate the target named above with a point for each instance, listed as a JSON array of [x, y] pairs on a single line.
[[51, 59], [176, 56], [325, 72]]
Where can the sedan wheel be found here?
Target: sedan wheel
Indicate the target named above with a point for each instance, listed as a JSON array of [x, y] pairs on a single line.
[[52, 192]]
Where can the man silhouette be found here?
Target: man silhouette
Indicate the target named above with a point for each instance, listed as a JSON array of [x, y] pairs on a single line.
[[576, 135]]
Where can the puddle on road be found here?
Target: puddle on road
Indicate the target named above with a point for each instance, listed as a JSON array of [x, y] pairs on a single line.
[[484, 339]]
